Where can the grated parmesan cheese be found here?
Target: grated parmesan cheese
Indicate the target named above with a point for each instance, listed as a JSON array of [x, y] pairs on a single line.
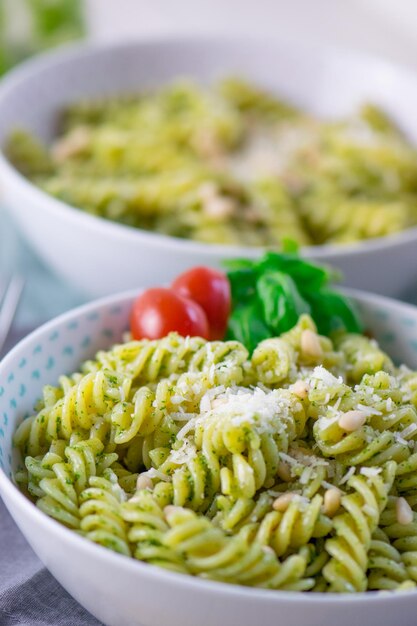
[[177, 399], [337, 404], [205, 403], [182, 416], [321, 378], [389, 404], [306, 475], [190, 425], [409, 430], [186, 453], [370, 471], [287, 458], [255, 406], [154, 473], [400, 439], [327, 485], [348, 475], [368, 410]]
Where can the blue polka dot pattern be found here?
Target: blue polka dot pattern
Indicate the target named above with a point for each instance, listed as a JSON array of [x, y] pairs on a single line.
[[85, 342], [41, 359]]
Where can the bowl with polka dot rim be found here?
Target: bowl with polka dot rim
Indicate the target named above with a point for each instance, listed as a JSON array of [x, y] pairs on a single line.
[[122, 591]]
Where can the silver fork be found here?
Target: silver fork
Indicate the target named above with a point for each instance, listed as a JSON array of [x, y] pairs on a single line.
[[10, 295]]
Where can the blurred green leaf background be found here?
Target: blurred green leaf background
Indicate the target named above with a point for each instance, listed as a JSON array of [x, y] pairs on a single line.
[[30, 26]]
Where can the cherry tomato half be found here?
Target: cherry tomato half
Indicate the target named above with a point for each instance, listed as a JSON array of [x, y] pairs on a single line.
[[211, 290], [157, 312]]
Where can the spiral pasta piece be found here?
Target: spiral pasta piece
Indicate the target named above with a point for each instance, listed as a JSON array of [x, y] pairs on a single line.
[[363, 356], [346, 570], [406, 476], [100, 518], [232, 514], [295, 527], [386, 569], [59, 477], [276, 360], [386, 429], [209, 553], [402, 535], [147, 530], [408, 382], [83, 403], [149, 360]]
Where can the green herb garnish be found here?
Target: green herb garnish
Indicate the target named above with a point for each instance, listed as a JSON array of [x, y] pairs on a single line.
[[270, 294]]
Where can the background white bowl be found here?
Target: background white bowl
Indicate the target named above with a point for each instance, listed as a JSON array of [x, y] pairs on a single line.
[[102, 257], [121, 591]]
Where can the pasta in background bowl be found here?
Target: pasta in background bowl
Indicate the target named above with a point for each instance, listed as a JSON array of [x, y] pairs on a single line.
[[121, 591], [228, 163], [324, 82]]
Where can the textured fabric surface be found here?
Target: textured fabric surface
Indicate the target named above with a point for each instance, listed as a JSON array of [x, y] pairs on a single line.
[[29, 595]]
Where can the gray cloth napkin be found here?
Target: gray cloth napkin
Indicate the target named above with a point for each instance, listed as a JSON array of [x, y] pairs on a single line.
[[29, 595]]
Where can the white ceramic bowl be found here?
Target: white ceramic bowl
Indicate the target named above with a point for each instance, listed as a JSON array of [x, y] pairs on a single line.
[[121, 591], [102, 257]]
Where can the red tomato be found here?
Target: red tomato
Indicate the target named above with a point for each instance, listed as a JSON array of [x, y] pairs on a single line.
[[211, 290], [157, 312]]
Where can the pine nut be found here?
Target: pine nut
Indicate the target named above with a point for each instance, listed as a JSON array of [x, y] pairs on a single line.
[[171, 509], [310, 344], [219, 207], [144, 482], [352, 420], [284, 471], [74, 143], [332, 499], [300, 388], [282, 503], [208, 191], [135, 499], [404, 512]]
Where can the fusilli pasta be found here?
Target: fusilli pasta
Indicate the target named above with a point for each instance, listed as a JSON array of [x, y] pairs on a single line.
[[290, 469]]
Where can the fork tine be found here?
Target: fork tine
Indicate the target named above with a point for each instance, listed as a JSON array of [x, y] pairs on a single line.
[[11, 297]]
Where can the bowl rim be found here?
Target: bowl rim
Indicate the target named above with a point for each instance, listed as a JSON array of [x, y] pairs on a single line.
[[74, 52], [186, 582]]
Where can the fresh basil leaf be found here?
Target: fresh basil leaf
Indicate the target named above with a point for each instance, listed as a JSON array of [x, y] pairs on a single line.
[[242, 285], [247, 326], [238, 264], [309, 277], [332, 311], [281, 301], [270, 294]]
